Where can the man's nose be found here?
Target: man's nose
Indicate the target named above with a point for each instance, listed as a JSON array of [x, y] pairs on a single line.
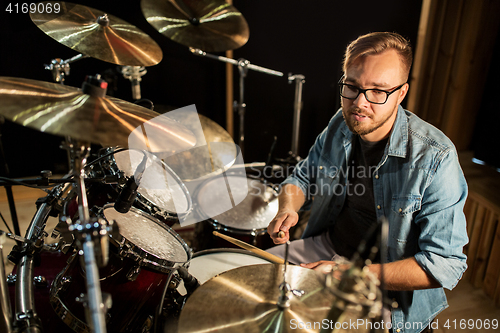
[[361, 100]]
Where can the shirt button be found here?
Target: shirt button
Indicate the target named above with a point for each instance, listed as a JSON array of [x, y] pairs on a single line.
[[378, 207], [376, 176]]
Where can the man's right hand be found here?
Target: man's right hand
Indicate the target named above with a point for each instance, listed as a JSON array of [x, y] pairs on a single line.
[[283, 221]]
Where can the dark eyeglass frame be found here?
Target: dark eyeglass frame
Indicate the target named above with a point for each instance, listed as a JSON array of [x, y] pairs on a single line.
[[388, 93]]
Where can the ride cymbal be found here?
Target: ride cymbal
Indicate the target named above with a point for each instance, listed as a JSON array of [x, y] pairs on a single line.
[[66, 111], [212, 26], [98, 35]]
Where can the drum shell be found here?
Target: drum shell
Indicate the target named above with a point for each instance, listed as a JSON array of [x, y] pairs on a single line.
[[133, 302], [51, 264]]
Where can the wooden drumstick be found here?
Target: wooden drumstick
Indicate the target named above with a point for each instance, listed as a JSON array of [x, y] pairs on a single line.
[[281, 234], [262, 253]]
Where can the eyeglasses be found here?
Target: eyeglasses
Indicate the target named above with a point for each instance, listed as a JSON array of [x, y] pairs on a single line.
[[374, 96]]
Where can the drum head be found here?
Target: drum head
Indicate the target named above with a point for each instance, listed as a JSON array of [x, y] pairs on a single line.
[[259, 204], [148, 238], [159, 184], [209, 263]]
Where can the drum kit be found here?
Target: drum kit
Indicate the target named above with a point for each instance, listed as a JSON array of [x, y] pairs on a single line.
[[117, 264]]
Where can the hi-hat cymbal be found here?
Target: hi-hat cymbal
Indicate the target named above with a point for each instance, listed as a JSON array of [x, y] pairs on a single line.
[[66, 111], [212, 26], [245, 300], [97, 34]]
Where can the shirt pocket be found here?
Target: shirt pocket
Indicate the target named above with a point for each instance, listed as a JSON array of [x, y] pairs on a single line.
[[326, 179], [406, 205]]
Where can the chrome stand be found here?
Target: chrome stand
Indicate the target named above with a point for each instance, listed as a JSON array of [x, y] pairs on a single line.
[[6, 320], [92, 239], [134, 74], [243, 67], [297, 108], [60, 68]]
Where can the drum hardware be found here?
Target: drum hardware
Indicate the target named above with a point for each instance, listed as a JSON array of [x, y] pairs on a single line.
[[214, 26], [6, 320], [297, 108], [26, 317], [60, 68], [134, 74], [8, 189], [99, 35], [243, 67]]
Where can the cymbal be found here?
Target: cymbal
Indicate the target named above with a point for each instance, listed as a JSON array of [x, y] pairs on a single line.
[[215, 150], [212, 26], [245, 300], [66, 111], [99, 35]]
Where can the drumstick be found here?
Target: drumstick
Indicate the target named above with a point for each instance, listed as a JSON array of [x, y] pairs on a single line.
[[262, 253], [281, 234]]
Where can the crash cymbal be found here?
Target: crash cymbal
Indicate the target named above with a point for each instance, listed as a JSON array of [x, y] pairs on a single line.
[[245, 300], [214, 153], [61, 110], [97, 34], [212, 26]]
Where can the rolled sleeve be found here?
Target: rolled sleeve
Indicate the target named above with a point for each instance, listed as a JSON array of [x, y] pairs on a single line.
[[442, 222]]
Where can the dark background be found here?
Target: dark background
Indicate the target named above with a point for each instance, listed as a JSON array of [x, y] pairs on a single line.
[[296, 36]]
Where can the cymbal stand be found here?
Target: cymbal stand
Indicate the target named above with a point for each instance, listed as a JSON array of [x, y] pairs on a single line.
[[60, 68], [134, 73], [91, 236], [243, 67], [297, 108]]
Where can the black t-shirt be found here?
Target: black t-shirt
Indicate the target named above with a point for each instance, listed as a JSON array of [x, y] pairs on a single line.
[[358, 215]]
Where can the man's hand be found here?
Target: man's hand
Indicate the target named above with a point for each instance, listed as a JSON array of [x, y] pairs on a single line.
[[280, 226], [326, 267]]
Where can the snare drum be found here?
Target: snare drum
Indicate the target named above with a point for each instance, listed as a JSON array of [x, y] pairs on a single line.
[[242, 210], [161, 192], [207, 264], [140, 261]]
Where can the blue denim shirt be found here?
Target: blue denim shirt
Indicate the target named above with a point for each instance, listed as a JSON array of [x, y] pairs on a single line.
[[418, 186]]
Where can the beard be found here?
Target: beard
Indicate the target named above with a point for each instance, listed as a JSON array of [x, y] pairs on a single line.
[[361, 127]]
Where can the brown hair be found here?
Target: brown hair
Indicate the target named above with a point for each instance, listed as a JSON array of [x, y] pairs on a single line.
[[378, 42]]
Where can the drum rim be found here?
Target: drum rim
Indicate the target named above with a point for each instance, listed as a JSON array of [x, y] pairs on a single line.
[[140, 197], [215, 222], [143, 257]]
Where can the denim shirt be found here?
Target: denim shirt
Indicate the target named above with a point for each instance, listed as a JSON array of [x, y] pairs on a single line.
[[418, 186]]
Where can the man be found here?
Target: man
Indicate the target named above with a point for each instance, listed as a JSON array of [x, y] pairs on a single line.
[[377, 160]]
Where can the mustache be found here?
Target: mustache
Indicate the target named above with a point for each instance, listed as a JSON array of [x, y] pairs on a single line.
[[356, 110]]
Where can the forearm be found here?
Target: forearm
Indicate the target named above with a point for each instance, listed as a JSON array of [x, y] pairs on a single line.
[[404, 274], [291, 197]]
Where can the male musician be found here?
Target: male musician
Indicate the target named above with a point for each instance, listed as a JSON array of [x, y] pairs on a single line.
[[377, 160]]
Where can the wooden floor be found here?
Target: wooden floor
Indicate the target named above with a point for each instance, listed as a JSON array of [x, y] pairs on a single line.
[[467, 303]]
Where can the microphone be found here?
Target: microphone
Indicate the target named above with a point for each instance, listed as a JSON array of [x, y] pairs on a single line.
[[190, 282], [127, 196]]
